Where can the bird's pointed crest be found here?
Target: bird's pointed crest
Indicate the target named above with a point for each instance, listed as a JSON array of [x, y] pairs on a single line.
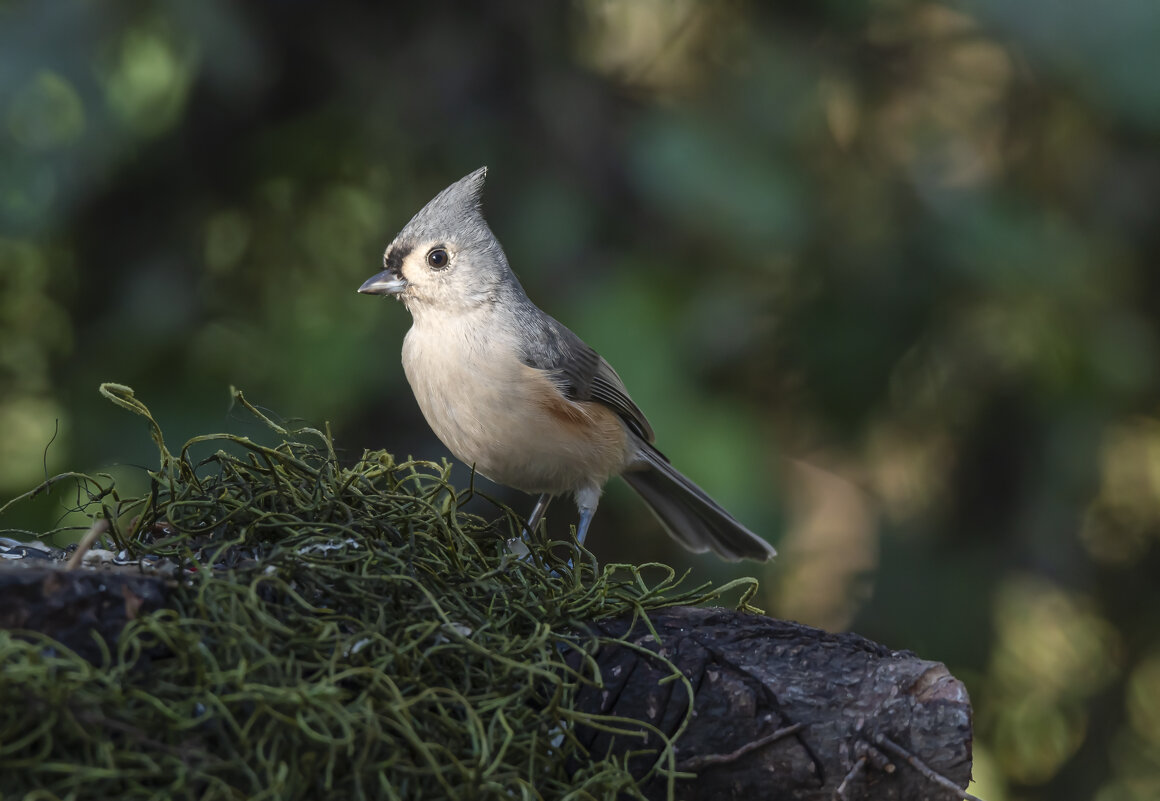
[[455, 209]]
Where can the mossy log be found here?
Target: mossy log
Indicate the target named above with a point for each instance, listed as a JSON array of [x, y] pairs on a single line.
[[780, 710], [272, 621]]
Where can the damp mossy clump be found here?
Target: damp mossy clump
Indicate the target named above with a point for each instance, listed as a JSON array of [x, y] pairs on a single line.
[[335, 632]]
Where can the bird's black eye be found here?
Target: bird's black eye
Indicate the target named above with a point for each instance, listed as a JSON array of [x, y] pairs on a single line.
[[437, 258]]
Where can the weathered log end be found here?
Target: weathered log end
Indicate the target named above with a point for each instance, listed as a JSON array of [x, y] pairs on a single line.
[[784, 711]]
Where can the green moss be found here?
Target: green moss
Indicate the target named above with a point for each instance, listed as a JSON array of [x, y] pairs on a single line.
[[338, 632]]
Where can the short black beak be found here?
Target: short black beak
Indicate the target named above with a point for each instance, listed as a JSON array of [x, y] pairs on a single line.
[[388, 282]]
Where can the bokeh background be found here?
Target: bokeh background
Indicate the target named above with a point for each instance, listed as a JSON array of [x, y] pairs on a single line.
[[882, 273]]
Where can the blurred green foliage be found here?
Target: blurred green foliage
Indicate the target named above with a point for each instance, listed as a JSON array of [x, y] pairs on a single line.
[[882, 274]]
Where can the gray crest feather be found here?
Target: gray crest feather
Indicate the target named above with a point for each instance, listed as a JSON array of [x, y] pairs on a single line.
[[454, 214]]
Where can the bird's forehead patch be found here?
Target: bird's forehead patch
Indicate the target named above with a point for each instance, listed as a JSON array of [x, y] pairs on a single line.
[[396, 254]]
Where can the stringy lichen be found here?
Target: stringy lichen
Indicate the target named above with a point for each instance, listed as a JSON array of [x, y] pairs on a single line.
[[337, 632]]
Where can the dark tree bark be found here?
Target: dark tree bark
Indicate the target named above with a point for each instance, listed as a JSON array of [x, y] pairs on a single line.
[[785, 711], [76, 607]]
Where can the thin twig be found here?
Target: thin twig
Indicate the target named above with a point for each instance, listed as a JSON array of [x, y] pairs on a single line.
[[705, 760], [859, 766], [916, 763], [96, 531]]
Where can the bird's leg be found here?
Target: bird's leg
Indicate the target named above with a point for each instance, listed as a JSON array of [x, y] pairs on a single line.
[[582, 526], [586, 501], [537, 513], [522, 547]]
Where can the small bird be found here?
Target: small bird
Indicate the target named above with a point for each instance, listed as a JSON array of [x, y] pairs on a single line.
[[515, 394]]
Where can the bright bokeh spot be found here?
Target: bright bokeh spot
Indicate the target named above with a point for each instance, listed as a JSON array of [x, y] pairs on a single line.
[[149, 77], [1143, 701], [46, 113], [1121, 522], [1052, 652], [227, 235], [1052, 642]]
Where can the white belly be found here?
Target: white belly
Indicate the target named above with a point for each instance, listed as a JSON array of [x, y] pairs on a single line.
[[492, 413]]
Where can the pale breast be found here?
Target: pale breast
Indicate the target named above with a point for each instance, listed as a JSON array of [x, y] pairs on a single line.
[[507, 419]]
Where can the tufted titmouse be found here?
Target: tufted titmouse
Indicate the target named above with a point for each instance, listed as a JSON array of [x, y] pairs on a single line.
[[516, 394]]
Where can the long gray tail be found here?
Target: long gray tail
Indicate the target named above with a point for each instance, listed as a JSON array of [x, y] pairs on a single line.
[[692, 518]]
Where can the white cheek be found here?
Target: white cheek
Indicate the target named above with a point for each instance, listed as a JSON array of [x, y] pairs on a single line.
[[412, 272]]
